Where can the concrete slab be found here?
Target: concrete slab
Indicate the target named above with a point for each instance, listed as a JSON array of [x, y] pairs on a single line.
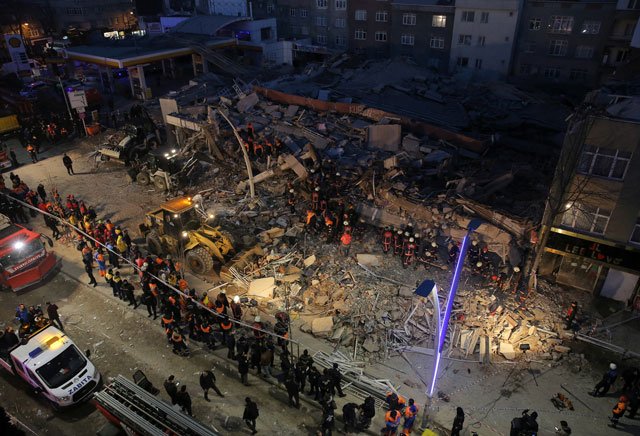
[[262, 287], [386, 137]]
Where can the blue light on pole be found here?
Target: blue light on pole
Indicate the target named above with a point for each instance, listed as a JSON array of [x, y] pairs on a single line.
[[473, 225]]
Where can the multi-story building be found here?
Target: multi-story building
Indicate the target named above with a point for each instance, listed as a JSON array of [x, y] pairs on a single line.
[[421, 30], [323, 22], [369, 27], [617, 50], [92, 14], [483, 36], [593, 210], [563, 41]]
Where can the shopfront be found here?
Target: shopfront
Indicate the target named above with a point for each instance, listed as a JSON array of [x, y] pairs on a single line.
[[595, 265]]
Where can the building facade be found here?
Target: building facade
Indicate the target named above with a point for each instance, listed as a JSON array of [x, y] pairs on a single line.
[[483, 37], [369, 27], [594, 241], [422, 30], [617, 49], [323, 23], [92, 14], [563, 41]]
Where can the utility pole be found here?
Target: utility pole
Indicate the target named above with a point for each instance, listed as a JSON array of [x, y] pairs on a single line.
[[244, 152]]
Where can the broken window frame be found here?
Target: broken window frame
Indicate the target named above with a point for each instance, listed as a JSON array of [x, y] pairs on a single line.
[[590, 219], [562, 24], [439, 21], [593, 157], [535, 24]]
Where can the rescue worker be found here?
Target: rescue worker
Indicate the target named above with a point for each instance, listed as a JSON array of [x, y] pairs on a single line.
[[225, 328], [179, 344], [314, 382], [409, 253], [206, 335], [328, 419], [474, 253], [171, 386], [236, 308], [397, 243], [291, 201], [392, 421], [101, 262], [395, 401], [618, 411], [345, 244], [251, 413], [329, 223], [315, 199], [608, 378], [349, 417], [258, 328], [571, 315], [250, 130], [208, 381], [311, 221], [127, 290], [117, 282], [387, 238], [282, 329], [336, 378], [88, 267], [458, 422], [293, 392], [243, 369], [410, 414], [453, 252], [149, 300], [32, 153]]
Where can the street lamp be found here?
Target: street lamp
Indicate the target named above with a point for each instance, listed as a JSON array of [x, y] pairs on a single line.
[[442, 333]]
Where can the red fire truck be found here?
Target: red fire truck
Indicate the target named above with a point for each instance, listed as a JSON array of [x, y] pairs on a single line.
[[24, 260]]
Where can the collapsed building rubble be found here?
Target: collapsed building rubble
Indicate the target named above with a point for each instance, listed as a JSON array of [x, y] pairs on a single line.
[[396, 172]]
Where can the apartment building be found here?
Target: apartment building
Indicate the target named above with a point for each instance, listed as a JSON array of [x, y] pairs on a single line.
[[91, 14], [323, 22], [563, 41], [484, 32], [617, 49], [594, 242], [369, 27], [421, 30]]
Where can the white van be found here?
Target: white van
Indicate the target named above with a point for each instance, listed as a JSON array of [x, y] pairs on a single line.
[[52, 364]]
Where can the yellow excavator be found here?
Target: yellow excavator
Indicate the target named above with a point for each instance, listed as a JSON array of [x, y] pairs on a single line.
[[177, 228]]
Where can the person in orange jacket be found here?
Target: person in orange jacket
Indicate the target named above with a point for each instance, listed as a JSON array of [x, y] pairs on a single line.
[[618, 411], [345, 243], [392, 421], [410, 414]]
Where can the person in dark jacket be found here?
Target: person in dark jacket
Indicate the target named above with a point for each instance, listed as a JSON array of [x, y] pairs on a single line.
[[292, 389], [68, 164], [208, 381], [171, 387], [608, 378], [458, 422], [251, 413], [349, 417], [243, 368], [184, 400], [54, 316]]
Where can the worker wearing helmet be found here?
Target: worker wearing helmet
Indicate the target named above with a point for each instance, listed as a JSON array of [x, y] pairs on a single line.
[[387, 236], [315, 199], [608, 379], [618, 410], [397, 243], [291, 201], [474, 252], [258, 328], [409, 253]]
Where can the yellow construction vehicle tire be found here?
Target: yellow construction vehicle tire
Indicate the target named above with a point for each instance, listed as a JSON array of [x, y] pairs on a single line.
[[154, 243], [199, 260], [160, 183]]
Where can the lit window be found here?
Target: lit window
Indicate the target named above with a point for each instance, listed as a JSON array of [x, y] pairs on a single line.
[[604, 162], [559, 24], [439, 21]]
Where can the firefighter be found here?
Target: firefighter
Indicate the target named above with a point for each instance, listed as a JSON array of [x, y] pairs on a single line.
[[347, 228], [478, 269], [409, 253], [387, 237], [258, 328], [397, 243], [330, 224], [474, 253], [258, 149], [311, 221], [410, 414], [395, 401], [571, 314], [206, 335], [179, 344], [236, 308], [618, 411], [315, 199], [405, 241], [117, 282]]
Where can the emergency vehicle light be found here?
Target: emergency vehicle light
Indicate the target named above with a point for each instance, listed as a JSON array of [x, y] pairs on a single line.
[[18, 245], [48, 344]]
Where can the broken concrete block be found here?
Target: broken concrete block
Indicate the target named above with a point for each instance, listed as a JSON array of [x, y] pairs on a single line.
[[507, 351], [321, 300], [291, 111], [322, 326], [370, 345], [247, 102], [562, 349], [386, 137], [310, 261], [262, 287], [410, 143], [368, 259]]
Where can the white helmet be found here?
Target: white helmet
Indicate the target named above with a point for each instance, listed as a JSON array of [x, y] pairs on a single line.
[[399, 232], [479, 264], [434, 245], [406, 233], [474, 243], [291, 191], [416, 236], [411, 239], [337, 174], [613, 366], [516, 269], [317, 188], [346, 223], [236, 299], [257, 319], [428, 254]]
